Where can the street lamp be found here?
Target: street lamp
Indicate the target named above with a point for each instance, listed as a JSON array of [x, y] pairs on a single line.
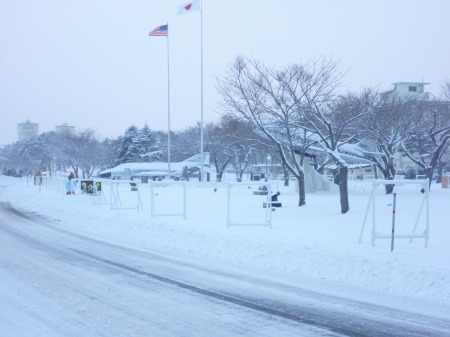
[[267, 161]]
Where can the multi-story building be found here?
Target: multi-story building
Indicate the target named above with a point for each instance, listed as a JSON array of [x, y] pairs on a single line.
[[64, 128], [27, 130]]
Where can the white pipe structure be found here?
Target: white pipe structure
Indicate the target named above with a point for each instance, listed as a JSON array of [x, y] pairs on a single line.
[[425, 201], [116, 201], [99, 196], [268, 210], [168, 184]]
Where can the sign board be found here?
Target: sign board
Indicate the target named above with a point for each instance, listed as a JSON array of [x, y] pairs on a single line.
[[87, 186]]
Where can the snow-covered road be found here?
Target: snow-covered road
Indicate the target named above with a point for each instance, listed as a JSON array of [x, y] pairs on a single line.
[[58, 283]]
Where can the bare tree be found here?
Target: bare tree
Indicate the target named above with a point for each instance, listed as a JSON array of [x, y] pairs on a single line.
[[186, 143], [215, 140], [18, 157], [33, 153], [331, 120], [391, 121], [445, 91], [254, 93], [109, 152], [239, 142], [428, 144], [82, 151]]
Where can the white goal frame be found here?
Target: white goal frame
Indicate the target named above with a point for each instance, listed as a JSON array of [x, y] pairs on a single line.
[[425, 201], [268, 209], [116, 201], [154, 184], [54, 183], [99, 197]]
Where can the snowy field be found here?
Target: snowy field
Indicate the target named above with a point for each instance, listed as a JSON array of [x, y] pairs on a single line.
[[314, 244]]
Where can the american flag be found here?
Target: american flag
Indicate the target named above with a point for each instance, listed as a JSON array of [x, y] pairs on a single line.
[[160, 31]]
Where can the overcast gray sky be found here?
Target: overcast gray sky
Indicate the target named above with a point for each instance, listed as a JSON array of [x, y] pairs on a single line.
[[90, 63]]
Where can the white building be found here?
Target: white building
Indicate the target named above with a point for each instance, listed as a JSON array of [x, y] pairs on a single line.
[[64, 128], [414, 90], [27, 130]]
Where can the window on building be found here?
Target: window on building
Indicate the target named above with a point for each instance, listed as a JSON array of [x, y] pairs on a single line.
[[412, 88]]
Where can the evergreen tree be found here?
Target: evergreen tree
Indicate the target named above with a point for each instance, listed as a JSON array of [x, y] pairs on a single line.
[[129, 148], [148, 144]]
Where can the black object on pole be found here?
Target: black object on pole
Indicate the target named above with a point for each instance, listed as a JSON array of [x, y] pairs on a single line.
[[393, 222]]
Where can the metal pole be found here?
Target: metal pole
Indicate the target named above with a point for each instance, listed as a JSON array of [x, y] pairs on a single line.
[[201, 95], [393, 222], [168, 105], [267, 159], [427, 193], [373, 218]]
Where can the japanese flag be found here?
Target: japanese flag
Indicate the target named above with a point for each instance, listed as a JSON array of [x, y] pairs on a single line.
[[189, 7]]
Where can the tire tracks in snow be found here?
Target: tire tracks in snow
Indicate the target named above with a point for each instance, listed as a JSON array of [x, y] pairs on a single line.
[[341, 323]]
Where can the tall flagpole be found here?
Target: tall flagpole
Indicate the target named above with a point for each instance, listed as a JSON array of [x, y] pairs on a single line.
[[201, 95], [168, 105]]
